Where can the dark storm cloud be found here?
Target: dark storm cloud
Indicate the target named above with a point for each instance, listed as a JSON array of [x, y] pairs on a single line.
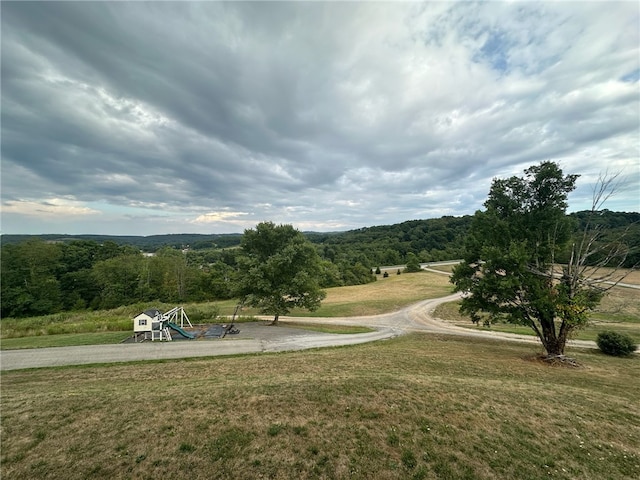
[[325, 115]]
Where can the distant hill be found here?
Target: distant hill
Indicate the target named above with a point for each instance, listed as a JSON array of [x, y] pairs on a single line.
[[75, 272], [149, 243], [430, 239]]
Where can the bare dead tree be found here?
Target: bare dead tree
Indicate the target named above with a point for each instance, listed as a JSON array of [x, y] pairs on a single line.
[[595, 263]]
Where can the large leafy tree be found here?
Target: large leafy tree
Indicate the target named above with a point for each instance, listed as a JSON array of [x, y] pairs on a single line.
[[509, 269], [279, 270]]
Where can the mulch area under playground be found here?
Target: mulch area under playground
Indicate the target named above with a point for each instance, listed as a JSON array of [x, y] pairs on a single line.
[[250, 330]]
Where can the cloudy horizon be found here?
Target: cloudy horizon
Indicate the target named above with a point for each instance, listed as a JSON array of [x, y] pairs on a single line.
[[142, 118]]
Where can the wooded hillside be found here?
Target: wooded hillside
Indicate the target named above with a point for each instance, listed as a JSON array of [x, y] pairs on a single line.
[[44, 274]]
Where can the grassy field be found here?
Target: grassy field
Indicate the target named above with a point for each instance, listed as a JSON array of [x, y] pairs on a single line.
[[385, 295], [326, 328], [416, 407], [619, 311], [65, 340]]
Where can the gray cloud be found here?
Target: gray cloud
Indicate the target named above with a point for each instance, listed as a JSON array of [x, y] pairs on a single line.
[[170, 117]]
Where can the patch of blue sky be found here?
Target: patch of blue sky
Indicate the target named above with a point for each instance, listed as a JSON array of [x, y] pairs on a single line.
[[495, 51], [631, 77]]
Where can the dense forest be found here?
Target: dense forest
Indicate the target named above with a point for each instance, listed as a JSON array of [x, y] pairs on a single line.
[[52, 273]]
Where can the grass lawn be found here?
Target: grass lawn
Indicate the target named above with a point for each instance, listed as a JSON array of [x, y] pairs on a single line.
[[382, 296], [415, 407], [619, 311], [65, 340], [326, 328]]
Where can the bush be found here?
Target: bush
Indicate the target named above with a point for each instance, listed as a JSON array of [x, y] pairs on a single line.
[[413, 265], [204, 313], [614, 343]]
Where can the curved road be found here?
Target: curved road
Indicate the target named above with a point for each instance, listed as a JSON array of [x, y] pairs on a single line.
[[417, 317]]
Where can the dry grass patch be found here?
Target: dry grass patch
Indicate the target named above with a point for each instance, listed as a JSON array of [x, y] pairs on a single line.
[[442, 268], [399, 287], [624, 275], [620, 304], [383, 296], [414, 407]]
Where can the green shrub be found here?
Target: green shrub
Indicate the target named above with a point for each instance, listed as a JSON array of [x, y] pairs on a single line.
[[204, 314], [614, 343]]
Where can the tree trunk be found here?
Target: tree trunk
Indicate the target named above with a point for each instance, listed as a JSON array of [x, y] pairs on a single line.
[[275, 319], [555, 348], [553, 344]]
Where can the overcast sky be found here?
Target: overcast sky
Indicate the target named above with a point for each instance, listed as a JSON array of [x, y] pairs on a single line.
[[148, 118]]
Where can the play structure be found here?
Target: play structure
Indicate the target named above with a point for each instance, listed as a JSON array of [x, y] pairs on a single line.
[[154, 325], [221, 331]]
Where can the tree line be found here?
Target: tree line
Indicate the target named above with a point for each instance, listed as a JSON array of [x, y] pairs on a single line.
[[49, 274], [40, 277]]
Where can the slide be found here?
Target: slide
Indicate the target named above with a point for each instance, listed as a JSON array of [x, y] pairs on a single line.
[[182, 332]]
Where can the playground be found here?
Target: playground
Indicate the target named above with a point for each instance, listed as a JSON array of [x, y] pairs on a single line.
[[155, 325]]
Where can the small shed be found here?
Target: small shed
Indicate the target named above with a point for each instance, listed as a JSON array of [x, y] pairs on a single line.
[[144, 321]]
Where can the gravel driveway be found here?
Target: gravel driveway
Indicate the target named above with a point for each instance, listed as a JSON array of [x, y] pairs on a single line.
[[258, 337]]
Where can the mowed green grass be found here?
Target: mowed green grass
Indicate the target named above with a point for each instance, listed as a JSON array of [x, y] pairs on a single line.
[[65, 340], [415, 407], [384, 295]]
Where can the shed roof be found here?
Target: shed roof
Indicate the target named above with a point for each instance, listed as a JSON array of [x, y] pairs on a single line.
[[152, 312]]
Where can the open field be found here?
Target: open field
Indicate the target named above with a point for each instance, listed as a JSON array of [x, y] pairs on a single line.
[[65, 340], [326, 328], [383, 296], [419, 406], [619, 311], [623, 275]]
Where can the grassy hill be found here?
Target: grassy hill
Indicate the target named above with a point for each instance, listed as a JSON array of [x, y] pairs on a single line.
[[619, 310], [416, 407]]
